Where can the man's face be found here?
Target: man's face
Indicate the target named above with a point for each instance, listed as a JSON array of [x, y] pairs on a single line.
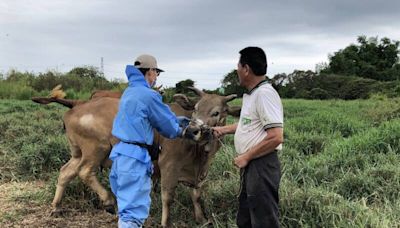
[[151, 76], [242, 72]]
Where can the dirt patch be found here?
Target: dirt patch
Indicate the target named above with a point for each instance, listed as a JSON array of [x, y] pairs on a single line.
[[27, 204], [20, 207], [40, 217]]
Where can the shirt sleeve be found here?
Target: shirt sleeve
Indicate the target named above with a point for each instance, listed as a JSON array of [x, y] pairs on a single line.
[[269, 109], [162, 118]]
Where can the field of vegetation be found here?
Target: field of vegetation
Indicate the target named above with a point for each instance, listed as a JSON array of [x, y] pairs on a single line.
[[340, 169]]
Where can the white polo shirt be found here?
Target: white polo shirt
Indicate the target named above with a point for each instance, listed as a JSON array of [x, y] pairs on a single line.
[[261, 110]]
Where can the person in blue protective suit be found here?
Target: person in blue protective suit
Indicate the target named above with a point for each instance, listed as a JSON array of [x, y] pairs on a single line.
[[140, 110]]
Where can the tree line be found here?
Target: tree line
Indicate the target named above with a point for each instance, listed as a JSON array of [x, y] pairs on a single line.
[[356, 72], [369, 67]]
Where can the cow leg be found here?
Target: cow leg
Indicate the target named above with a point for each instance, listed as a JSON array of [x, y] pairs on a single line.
[[167, 197], [106, 163], [67, 173], [169, 182], [198, 212], [87, 173], [156, 177]]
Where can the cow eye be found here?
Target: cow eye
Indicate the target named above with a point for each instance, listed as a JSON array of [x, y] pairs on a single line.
[[215, 114]]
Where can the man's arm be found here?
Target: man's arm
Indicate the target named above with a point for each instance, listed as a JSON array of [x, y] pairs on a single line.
[[223, 130], [162, 118], [267, 145]]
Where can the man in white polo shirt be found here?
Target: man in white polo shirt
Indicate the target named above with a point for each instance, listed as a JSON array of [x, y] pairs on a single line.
[[258, 138]]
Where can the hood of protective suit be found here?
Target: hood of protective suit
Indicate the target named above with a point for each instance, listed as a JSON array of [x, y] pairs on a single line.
[[135, 77]]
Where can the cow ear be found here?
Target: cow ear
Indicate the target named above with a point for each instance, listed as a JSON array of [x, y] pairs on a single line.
[[197, 91], [234, 110], [229, 97], [159, 89], [183, 101]]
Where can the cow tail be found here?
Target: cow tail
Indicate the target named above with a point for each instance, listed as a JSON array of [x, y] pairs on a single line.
[[66, 102], [57, 95]]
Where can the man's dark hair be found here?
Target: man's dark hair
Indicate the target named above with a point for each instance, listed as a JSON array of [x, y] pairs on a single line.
[[143, 70], [255, 58]]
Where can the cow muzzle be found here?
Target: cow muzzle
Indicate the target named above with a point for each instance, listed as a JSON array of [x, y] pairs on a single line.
[[198, 131], [193, 133]]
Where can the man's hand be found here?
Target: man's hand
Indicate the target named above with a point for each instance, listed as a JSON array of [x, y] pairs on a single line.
[[183, 121], [182, 132], [241, 161], [183, 125], [218, 131]]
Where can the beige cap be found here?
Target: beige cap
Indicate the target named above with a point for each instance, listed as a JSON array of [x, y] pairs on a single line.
[[146, 61]]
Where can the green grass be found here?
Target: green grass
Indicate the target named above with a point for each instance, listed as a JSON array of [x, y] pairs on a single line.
[[339, 164]]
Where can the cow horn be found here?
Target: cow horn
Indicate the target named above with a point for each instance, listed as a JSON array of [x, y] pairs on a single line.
[[229, 97], [197, 91]]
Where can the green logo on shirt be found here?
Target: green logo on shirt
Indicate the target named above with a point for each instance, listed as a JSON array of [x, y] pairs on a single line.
[[246, 121]]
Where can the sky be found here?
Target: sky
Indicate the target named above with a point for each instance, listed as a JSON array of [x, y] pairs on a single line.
[[191, 39]]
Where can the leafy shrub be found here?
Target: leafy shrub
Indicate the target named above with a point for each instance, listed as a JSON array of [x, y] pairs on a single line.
[[305, 94], [390, 89], [82, 81], [168, 95], [14, 90], [357, 88], [318, 93], [78, 95]]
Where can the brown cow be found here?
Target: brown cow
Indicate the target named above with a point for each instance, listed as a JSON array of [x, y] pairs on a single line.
[[183, 161], [88, 127], [116, 94], [105, 93]]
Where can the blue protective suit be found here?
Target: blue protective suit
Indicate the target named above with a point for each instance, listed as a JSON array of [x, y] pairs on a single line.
[[140, 110]]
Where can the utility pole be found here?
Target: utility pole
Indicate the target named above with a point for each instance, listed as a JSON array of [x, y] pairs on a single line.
[[102, 66]]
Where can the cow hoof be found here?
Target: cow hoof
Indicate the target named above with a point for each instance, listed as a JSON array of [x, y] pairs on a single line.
[[57, 212], [110, 209], [202, 221], [207, 223]]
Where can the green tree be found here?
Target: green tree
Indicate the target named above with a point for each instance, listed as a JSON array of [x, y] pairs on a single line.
[[86, 72], [168, 94], [181, 87], [16, 76], [47, 81], [300, 83], [369, 58], [279, 80], [214, 91], [230, 84]]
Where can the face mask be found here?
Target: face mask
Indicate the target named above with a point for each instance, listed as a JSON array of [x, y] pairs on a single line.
[[153, 84]]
